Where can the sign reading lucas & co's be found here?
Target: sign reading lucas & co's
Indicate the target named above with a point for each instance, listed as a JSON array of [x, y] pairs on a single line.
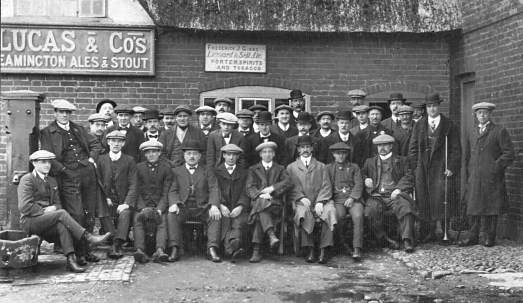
[[77, 50]]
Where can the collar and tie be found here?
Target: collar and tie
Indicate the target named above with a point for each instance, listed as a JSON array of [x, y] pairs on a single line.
[[433, 125], [65, 127], [230, 169]]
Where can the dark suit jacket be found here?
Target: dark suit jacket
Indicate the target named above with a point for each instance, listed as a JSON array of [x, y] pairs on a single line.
[[232, 187], [291, 131], [51, 140], [325, 155], [33, 197], [175, 155], [351, 178], [125, 178], [254, 140], [206, 190], [215, 142], [363, 146], [278, 177], [133, 138], [292, 150], [214, 127], [390, 124], [401, 173], [153, 186]]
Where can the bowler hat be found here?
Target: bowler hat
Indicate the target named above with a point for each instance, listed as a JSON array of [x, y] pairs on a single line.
[[433, 98], [245, 113], [396, 97], [263, 117], [115, 134], [344, 115], [102, 102], [231, 148], [340, 146], [42, 155], [268, 144], [191, 145], [151, 114], [296, 94], [126, 109], [63, 104], [383, 139], [151, 144], [304, 140], [324, 113], [483, 105], [182, 108], [304, 117]]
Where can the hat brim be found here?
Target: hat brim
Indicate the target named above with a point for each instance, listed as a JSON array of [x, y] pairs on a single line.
[[176, 112], [99, 105]]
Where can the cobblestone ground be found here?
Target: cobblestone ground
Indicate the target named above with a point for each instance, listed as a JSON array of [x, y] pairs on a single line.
[[381, 277]]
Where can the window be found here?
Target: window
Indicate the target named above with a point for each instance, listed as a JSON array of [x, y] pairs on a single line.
[[245, 103], [61, 8]]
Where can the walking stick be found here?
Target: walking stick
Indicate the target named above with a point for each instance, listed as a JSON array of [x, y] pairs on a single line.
[[283, 228], [445, 203]]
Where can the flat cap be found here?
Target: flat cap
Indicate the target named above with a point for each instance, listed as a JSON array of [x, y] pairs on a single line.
[[405, 109], [383, 139], [263, 117], [97, 117], [231, 148], [344, 115], [102, 102], [151, 144], [305, 117], [192, 145], [126, 109], [268, 144], [357, 93], [182, 108], [115, 134], [258, 107], [228, 118], [139, 109], [304, 140], [396, 97], [340, 146], [151, 114], [42, 155], [283, 107], [324, 113], [296, 94], [483, 105], [360, 108], [245, 113], [63, 105], [376, 107], [205, 108], [433, 98], [226, 100]]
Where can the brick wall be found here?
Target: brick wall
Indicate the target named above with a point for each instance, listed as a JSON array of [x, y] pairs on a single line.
[[323, 65], [490, 51]]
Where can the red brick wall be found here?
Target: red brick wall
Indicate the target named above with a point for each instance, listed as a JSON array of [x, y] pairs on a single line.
[[323, 65], [490, 50]]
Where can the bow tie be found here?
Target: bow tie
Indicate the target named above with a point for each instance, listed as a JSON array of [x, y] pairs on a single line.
[[123, 128], [192, 167], [230, 168], [206, 128], [153, 136]]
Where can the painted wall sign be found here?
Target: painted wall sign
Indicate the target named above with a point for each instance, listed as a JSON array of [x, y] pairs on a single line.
[[235, 58], [77, 50]]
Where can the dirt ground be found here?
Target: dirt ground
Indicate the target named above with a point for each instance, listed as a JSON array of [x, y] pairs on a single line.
[[379, 278]]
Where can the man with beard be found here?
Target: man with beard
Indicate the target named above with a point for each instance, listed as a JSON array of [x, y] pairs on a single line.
[[325, 119], [106, 107], [223, 105], [226, 134], [133, 136], [137, 119], [342, 135], [264, 121], [395, 101], [362, 116], [283, 126], [152, 124], [168, 119], [245, 122], [206, 122]]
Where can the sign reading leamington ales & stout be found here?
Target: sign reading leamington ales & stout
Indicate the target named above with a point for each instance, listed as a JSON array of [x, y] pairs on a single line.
[[235, 58], [77, 50]]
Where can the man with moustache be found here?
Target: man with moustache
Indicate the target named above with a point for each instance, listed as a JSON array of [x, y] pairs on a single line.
[[325, 119], [106, 107], [206, 119], [404, 131], [168, 119], [283, 125], [151, 119], [133, 136], [97, 127], [223, 136], [304, 124], [137, 119], [343, 134], [419, 110], [395, 101], [223, 105], [264, 121]]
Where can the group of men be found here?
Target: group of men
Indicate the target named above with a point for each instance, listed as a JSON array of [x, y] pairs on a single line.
[[245, 175]]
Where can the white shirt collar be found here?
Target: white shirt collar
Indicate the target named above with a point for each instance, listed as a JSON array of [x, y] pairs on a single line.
[[115, 157], [344, 137], [325, 133], [306, 161], [295, 114], [395, 118], [284, 127], [266, 164], [227, 166], [63, 126], [189, 167], [481, 126], [124, 126], [38, 174], [364, 126], [434, 121], [387, 156]]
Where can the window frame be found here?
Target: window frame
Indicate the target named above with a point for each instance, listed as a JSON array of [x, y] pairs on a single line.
[[77, 13]]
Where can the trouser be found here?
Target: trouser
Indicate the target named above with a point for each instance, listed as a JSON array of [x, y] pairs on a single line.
[[356, 213], [175, 226], [376, 206], [264, 221], [485, 225], [326, 236], [123, 223], [139, 232], [107, 224], [55, 226], [235, 235]]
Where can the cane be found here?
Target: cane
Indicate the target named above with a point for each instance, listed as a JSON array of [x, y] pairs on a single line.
[[445, 203]]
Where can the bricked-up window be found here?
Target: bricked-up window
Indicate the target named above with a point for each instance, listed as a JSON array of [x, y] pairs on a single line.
[[61, 8]]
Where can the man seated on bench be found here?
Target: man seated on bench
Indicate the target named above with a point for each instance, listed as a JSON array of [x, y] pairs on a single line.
[[42, 213], [388, 183], [194, 195]]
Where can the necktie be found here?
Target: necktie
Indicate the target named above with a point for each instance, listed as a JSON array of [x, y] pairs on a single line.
[[306, 164], [433, 125], [482, 129]]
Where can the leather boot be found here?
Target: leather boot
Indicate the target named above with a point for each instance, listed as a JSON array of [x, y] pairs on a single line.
[[72, 266], [160, 255], [213, 255], [140, 256], [116, 250], [256, 256], [356, 254], [407, 244], [273, 239], [236, 254], [80, 260], [174, 256], [310, 256], [96, 240], [90, 257], [323, 258]]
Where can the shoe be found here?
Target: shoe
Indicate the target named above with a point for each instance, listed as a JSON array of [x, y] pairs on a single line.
[[256, 256], [116, 250], [174, 256], [273, 240], [72, 266], [489, 242], [80, 260], [90, 257], [140, 256], [310, 256], [468, 242], [96, 240], [392, 243], [237, 254], [323, 258], [160, 255], [356, 254], [407, 244], [213, 255]]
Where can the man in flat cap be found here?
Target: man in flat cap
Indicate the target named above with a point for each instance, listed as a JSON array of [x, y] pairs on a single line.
[[117, 173], [361, 113], [325, 119], [347, 189], [168, 119], [388, 185], [154, 178], [194, 195], [245, 122], [223, 105], [304, 124], [488, 151], [395, 101], [435, 152], [311, 199], [267, 184], [256, 109], [235, 204], [206, 119], [223, 136], [137, 119], [106, 107], [76, 152], [356, 98], [343, 134], [264, 134], [404, 131], [172, 139], [97, 127], [133, 136], [419, 110], [42, 214], [283, 124], [151, 119]]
